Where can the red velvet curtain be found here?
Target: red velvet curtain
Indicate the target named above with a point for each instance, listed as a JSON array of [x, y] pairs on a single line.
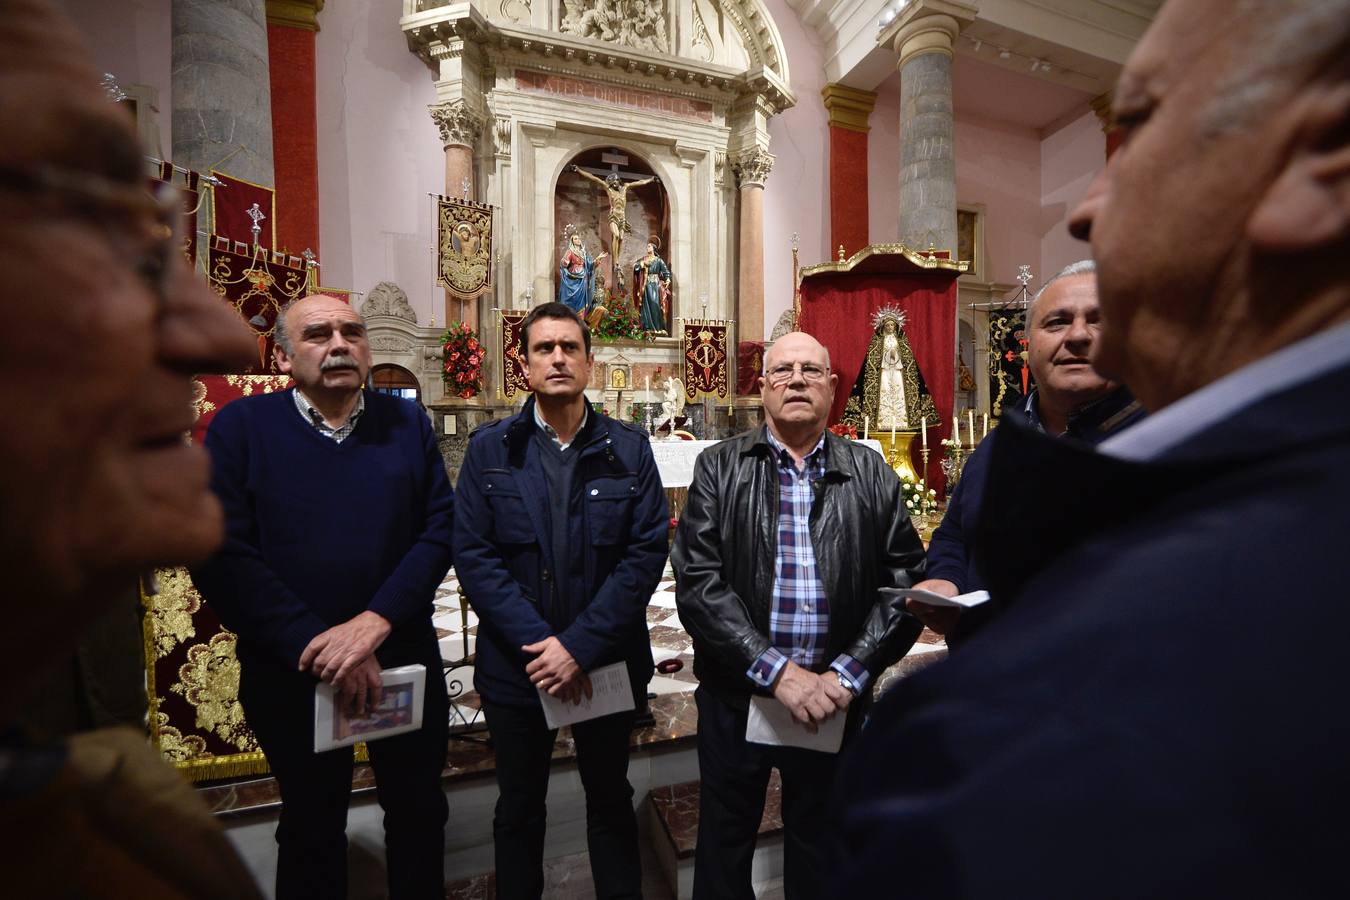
[[837, 310], [233, 199]]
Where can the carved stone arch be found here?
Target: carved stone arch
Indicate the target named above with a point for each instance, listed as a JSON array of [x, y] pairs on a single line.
[[388, 299], [662, 168], [759, 35]]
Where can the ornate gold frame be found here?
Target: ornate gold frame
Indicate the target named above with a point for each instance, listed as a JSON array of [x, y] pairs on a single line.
[[922, 259]]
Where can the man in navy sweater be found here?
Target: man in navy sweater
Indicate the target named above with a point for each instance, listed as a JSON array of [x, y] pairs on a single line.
[[1070, 400], [559, 542], [338, 514]]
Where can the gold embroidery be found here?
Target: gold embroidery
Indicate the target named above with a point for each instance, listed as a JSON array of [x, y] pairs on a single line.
[[262, 384], [209, 680], [173, 609], [177, 747]]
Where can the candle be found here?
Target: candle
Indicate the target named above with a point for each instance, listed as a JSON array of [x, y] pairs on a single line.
[[923, 431], [866, 422], [956, 430], [892, 435], [647, 382], [986, 425], [970, 425]]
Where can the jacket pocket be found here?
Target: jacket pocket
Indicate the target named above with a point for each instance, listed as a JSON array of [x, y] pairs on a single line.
[[510, 518], [609, 508]]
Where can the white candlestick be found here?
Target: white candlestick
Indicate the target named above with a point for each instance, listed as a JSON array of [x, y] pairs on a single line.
[[647, 382], [866, 421], [956, 430], [923, 432], [986, 425], [970, 425]]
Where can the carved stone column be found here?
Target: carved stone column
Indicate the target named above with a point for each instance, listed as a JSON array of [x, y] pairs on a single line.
[[922, 36], [221, 94], [459, 126], [752, 170]]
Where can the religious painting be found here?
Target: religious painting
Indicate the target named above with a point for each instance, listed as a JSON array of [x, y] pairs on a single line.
[[969, 228], [1009, 374], [514, 380], [464, 247], [706, 364], [618, 377], [257, 283]]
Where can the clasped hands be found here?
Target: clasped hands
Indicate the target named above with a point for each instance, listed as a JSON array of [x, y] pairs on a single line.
[[344, 656], [811, 698], [555, 671]]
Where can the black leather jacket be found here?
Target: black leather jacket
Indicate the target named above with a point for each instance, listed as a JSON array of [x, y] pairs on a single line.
[[727, 542]]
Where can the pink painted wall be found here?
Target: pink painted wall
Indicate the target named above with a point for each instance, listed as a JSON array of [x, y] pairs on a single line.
[[131, 40], [1071, 156], [379, 155], [797, 194]]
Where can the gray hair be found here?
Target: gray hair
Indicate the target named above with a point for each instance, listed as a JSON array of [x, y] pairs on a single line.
[[1082, 267], [281, 337], [1292, 35]]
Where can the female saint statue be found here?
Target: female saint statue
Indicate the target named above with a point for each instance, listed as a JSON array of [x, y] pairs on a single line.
[[890, 391], [651, 289], [577, 271]]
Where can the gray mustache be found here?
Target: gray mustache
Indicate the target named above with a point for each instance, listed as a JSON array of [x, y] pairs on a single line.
[[337, 362]]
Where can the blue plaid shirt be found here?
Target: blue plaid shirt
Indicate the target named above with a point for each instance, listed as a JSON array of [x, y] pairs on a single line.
[[799, 614], [315, 418]]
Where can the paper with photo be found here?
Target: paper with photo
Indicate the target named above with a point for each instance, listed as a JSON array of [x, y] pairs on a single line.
[[960, 601], [397, 710], [770, 722], [611, 692]]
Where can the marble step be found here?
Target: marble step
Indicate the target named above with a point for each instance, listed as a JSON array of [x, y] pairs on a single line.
[[673, 818]]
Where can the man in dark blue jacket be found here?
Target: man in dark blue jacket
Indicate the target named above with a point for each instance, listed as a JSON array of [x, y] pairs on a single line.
[[560, 540], [337, 533], [1162, 711], [1071, 400]]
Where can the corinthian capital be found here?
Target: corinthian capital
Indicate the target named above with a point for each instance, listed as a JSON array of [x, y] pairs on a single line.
[[752, 166], [458, 123]]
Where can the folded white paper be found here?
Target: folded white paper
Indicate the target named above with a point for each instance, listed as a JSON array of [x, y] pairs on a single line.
[[960, 601], [398, 709], [611, 692], [770, 722]]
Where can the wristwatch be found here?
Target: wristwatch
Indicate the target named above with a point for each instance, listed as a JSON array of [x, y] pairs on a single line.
[[843, 682]]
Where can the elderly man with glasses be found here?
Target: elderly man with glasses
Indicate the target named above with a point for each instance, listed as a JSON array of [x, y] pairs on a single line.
[[786, 539]]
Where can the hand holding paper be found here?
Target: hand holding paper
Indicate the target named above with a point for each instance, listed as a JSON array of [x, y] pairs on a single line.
[[960, 601]]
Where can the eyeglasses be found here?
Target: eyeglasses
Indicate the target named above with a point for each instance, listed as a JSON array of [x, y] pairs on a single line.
[[138, 220], [782, 373]]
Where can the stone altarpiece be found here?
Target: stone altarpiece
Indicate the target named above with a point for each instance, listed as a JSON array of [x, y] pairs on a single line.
[[684, 90]]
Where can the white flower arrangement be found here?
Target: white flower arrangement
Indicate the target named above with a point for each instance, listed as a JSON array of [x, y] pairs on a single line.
[[920, 499]]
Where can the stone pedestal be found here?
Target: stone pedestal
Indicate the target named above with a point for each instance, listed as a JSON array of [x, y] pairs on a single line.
[[454, 420]]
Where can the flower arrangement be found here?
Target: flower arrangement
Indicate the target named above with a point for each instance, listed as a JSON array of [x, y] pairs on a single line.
[[462, 360], [621, 322], [920, 499], [951, 449], [845, 430]]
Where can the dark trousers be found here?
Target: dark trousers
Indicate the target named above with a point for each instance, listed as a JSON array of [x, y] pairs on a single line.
[[524, 748], [733, 776], [316, 787]]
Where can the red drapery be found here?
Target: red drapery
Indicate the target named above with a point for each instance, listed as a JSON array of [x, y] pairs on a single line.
[[233, 200], [837, 308]]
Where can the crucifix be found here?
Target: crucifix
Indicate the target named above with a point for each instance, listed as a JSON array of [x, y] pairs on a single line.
[[616, 185], [256, 214]]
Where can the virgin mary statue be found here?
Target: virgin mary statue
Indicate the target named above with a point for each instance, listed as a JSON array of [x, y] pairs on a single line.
[[890, 391], [576, 271]]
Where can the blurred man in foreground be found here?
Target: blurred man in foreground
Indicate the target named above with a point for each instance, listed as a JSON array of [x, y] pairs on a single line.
[[1163, 713], [105, 327]]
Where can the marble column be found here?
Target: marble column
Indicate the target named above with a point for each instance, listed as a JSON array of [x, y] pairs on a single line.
[[221, 90], [459, 126], [752, 170], [922, 37]]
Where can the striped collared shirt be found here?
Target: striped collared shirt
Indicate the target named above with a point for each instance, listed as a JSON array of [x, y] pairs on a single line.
[[315, 418], [799, 611], [552, 432]]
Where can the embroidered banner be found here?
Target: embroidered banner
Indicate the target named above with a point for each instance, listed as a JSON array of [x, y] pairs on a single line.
[[257, 283], [187, 183], [235, 206], [513, 363], [1009, 375], [464, 247], [749, 366], [192, 674], [704, 346]]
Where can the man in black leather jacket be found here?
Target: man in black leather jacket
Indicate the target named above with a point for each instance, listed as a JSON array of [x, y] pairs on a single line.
[[786, 537]]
